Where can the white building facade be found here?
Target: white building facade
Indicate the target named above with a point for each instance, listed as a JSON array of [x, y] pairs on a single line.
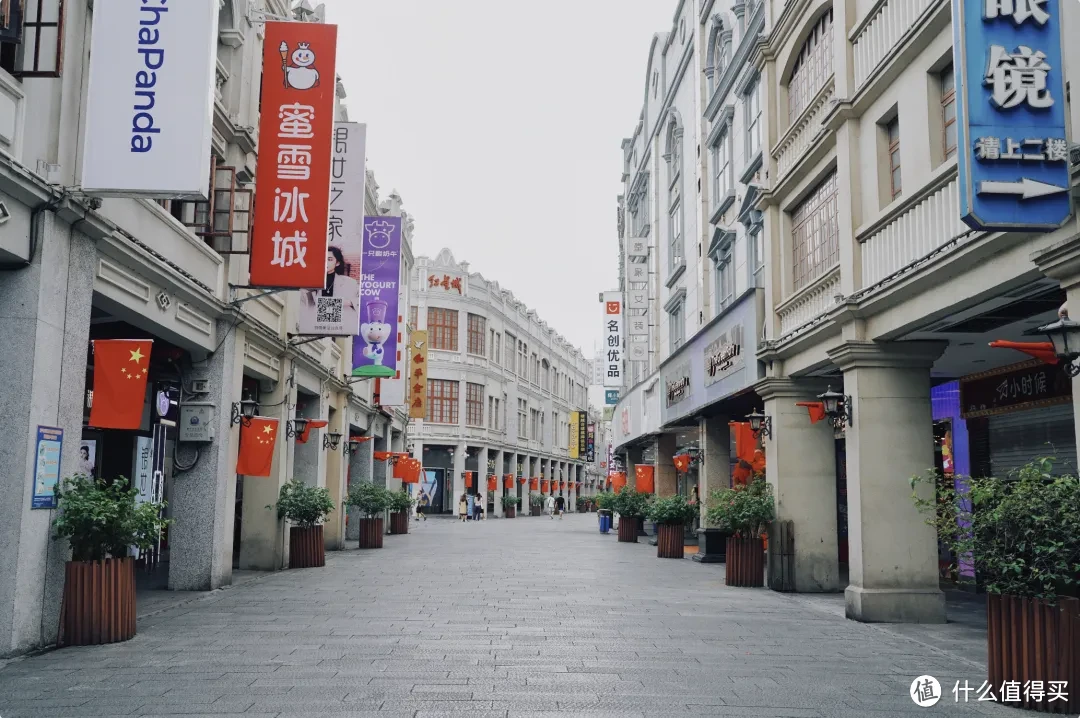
[[502, 388], [73, 270]]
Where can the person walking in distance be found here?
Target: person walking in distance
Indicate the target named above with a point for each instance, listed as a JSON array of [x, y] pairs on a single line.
[[549, 506], [470, 502], [478, 507], [560, 505], [463, 508], [421, 506]]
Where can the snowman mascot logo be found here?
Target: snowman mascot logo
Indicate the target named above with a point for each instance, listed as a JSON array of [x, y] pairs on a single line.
[[301, 74], [375, 331]]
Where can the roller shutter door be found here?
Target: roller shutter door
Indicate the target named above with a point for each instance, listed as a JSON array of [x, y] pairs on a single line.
[[1019, 437]]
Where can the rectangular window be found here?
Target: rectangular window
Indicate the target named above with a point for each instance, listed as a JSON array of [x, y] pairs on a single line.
[[815, 234], [675, 229], [725, 279], [893, 132], [474, 404], [948, 110], [676, 327], [523, 360], [534, 424], [511, 344], [413, 317], [442, 401], [496, 344], [477, 334], [535, 370], [721, 169], [523, 417], [545, 376], [752, 103], [757, 247], [813, 67], [442, 328]]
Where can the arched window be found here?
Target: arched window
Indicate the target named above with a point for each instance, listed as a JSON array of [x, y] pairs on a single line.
[[675, 205], [813, 67]]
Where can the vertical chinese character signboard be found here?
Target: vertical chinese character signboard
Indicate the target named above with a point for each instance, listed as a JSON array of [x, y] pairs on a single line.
[[575, 447], [590, 443], [417, 374], [613, 339], [335, 309], [1013, 151], [582, 433], [288, 243], [375, 349]]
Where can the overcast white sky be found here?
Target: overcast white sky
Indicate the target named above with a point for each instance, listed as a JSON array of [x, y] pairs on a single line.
[[499, 122]]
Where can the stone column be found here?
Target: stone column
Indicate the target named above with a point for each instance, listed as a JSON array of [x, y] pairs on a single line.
[[380, 472], [204, 499], [715, 470], [361, 468], [459, 476], [334, 530], [307, 457], [262, 535], [45, 320], [396, 446], [801, 467], [482, 470], [667, 479], [1061, 261], [500, 482], [893, 553]]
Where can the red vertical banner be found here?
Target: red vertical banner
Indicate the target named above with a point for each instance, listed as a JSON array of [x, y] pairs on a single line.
[[643, 478], [296, 129]]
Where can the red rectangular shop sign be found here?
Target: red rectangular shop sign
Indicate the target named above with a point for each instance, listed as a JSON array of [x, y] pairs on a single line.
[[296, 128]]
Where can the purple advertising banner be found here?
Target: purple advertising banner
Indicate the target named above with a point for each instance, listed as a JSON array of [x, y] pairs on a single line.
[[375, 349]]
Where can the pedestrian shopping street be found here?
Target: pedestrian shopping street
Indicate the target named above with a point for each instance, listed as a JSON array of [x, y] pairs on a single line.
[[515, 617]]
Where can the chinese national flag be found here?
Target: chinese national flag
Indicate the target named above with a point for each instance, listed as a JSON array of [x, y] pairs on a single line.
[[120, 370], [257, 440]]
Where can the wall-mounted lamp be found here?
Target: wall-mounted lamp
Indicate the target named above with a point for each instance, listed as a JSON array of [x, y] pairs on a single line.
[[242, 411], [1064, 334], [330, 440], [760, 424], [837, 408], [295, 427]]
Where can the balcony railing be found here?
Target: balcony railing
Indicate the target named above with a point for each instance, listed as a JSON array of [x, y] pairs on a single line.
[[797, 140], [917, 230], [810, 302], [883, 30]]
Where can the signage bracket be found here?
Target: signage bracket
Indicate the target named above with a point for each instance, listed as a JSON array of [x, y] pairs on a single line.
[[238, 302], [293, 342], [258, 16]]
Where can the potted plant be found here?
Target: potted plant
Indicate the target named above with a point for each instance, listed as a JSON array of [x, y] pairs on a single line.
[[536, 504], [745, 511], [582, 504], [306, 507], [102, 521], [605, 500], [371, 502], [510, 504], [631, 506], [1021, 537], [671, 514], [400, 505]]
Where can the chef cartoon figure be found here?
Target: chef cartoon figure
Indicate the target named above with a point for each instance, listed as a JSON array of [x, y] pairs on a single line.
[[375, 331], [301, 75]]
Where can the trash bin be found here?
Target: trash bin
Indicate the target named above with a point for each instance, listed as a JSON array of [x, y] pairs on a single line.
[[605, 520]]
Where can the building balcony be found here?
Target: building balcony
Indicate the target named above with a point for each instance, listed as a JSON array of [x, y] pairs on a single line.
[[810, 302], [802, 136], [913, 230], [882, 31]]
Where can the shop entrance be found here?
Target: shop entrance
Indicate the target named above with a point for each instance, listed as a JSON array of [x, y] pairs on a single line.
[[433, 487]]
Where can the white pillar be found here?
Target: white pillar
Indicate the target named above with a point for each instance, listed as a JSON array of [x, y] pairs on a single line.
[[801, 467], [893, 552], [714, 473], [459, 476]]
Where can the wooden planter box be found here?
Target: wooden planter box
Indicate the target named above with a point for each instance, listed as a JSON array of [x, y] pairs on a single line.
[[399, 523], [510, 512], [371, 533], [1031, 640], [628, 529], [99, 602], [669, 541], [306, 547], [535, 510], [712, 546], [745, 562]]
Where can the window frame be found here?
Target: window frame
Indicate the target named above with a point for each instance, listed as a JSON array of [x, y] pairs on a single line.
[[675, 234], [474, 404], [723, 174], [813, 67], [444, 394], [676, 339], [815, 217], [476, 334], [724, 268], [752, 117], [438, 329], [523, 418], [892, 139], [948, 102]]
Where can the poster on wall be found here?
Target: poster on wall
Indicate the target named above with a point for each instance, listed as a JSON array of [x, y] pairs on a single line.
[[296, 127], [613, 339], [334, 310], [87, 458], [148, 111], [375, 349], [417, 364], [50, 442]]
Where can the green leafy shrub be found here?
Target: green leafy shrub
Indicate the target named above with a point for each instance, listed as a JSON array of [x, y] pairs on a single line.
[[102, 520], [536, 500], [367, 498], [510, 501], [1021, 533], [303, 505], [401, 502], [631, 503], [605, 500], [672, 510], [745, 510]]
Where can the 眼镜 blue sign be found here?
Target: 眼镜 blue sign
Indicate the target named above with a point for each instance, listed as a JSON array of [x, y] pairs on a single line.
[[1012, 144]]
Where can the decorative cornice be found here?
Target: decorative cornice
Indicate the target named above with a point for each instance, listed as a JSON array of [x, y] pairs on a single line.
[[789, 387], [905, 354]]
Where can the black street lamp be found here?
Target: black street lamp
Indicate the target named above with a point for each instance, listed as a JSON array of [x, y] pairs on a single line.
[[330, 440], [295, 427], [837, 408], [243, 411], [759, 423], [1064, 334]]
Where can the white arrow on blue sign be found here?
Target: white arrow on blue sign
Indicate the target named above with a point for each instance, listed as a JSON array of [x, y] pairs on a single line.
[[1013, 145]]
